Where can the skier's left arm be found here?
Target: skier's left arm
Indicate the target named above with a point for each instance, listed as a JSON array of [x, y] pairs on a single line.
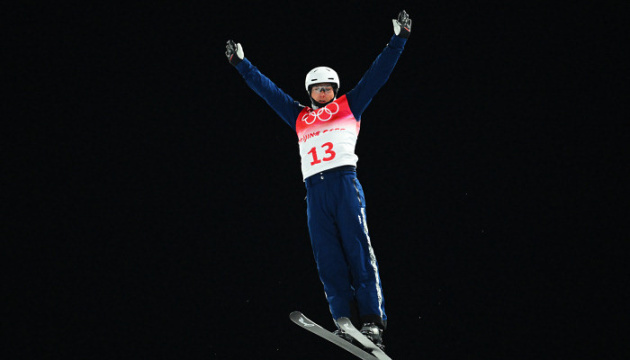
[[378, 74]]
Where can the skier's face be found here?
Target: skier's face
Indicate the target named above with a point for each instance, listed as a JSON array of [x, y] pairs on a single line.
[[322, 93]]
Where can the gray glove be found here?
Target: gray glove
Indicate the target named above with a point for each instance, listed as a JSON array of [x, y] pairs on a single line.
[[234, 52], [402, 25]]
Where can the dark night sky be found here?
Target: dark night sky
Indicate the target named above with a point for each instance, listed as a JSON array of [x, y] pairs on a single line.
[[155, 203]]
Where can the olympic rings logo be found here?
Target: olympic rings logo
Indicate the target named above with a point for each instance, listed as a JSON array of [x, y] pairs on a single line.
[[323, 114]]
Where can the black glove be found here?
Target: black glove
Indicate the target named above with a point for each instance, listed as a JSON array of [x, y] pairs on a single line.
[[234, 52], [402, 25]]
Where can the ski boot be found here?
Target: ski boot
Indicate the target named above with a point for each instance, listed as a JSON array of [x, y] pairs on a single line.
[[345, 336], [374, 333]]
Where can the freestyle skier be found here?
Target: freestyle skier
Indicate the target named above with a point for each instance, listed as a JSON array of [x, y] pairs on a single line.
[[327, 132]]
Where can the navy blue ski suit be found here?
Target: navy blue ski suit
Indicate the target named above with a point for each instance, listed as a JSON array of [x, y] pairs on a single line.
[[337, 224]]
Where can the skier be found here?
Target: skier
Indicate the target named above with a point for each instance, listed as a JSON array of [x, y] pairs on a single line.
[[327, 132]]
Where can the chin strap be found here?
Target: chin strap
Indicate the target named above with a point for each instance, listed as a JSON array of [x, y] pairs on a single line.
[[316, 105]]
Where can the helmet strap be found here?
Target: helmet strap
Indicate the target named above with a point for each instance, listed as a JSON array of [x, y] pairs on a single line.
[[316, 105]]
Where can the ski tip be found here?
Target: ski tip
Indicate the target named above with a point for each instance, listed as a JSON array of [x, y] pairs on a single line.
[[296, 315]]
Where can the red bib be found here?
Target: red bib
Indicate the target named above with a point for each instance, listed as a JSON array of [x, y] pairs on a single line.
[[327, 137]]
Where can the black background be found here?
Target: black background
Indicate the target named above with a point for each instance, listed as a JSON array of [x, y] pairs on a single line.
[[154, 203]]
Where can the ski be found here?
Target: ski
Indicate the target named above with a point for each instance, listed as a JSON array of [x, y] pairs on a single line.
[[308, 324], [349, 329]]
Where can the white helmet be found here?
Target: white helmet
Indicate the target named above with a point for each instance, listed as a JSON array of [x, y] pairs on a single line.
[[321, 74]]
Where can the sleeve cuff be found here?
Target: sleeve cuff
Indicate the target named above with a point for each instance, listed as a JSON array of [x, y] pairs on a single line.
[[397, 42], [243, 66]]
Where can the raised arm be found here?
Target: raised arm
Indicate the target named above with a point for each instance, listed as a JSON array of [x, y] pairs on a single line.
[[280, 102], [378, 73]]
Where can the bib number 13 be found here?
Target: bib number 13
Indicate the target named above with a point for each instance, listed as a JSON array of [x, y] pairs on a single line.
[[328, 153]]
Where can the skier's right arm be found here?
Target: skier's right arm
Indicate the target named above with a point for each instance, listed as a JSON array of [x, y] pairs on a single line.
[[280, 102]]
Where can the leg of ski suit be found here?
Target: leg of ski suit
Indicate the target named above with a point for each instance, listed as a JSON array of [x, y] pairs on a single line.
[[341, 245]]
